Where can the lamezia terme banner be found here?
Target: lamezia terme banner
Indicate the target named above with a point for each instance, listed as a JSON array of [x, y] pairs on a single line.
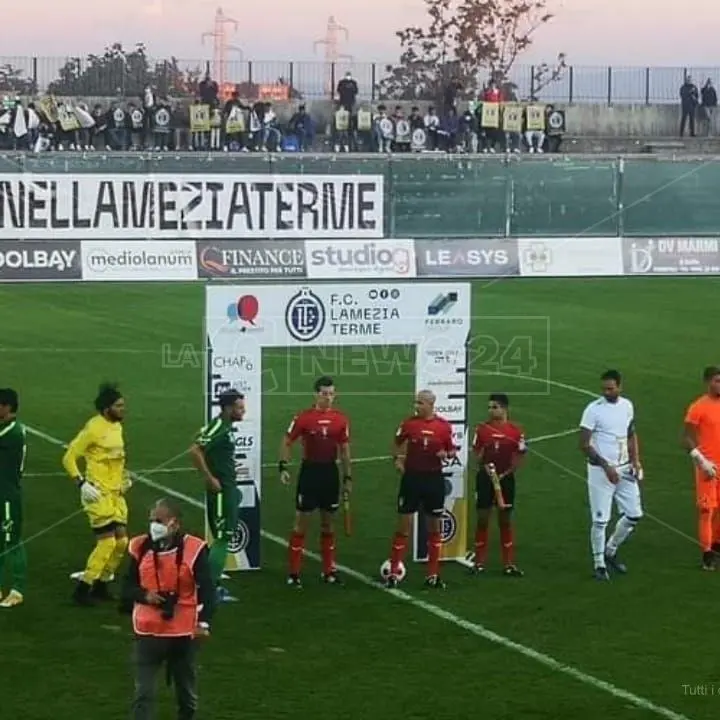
[[242, 320], [176, 207]]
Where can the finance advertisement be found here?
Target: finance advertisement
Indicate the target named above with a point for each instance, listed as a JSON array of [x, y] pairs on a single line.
[[242, 320]]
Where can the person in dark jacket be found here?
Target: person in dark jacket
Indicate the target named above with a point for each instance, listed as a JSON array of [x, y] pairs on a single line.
[[347, 92], [709, 101], [301, 126], [689, 98]]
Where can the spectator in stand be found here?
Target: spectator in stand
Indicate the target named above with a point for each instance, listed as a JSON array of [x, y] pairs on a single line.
[[347, 92], [689, 98], [208, 91], [432, 126], [450, 96], [495, 136], [450, 129], [301, 126], [709, 101]]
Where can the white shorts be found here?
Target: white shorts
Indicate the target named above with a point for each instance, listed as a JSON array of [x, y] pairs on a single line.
[[601, 493]]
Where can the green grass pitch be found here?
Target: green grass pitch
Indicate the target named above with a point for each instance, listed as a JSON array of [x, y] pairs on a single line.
[[635, 648]]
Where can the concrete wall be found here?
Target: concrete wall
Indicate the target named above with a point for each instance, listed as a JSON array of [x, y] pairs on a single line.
[[584, 120]]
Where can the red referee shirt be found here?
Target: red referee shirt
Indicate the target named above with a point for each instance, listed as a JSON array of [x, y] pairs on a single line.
[[321, 433], [425, 439], [499, 444]]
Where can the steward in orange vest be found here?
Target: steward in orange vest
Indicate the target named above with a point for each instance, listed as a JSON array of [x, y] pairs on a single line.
[[169, 590]]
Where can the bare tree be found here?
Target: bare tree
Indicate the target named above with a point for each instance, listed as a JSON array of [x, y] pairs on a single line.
[[467, 40]]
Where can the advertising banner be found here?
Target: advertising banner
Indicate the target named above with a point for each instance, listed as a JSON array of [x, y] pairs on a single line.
[[242, 320], [358, 259], [671, 256], [107, 260], [478, 258], [39, 261], [570, 257], [169, 206], [266, 259]]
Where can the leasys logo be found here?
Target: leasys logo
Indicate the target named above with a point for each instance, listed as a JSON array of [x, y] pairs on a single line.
[[139, 260], [357, 259]]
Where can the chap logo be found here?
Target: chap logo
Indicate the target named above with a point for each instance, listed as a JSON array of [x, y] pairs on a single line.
[[538, 258], [441, 304], [448, 527], [245, 310], [305, 316], [240, 538]]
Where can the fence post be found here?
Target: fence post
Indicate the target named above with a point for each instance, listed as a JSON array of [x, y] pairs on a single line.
[[532, 82], [373, 82], [571, 85], [647, 85], [250, 72], [291, 79], [609, 85], [332, 80], [685, 75]]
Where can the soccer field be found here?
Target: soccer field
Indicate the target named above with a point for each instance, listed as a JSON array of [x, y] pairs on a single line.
[[554, 644]]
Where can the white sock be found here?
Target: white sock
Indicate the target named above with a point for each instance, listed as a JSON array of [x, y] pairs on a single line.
[[622, 532], [597, 543]]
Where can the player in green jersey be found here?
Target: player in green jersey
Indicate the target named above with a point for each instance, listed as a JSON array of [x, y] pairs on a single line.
[[213, 453], [13, 448]]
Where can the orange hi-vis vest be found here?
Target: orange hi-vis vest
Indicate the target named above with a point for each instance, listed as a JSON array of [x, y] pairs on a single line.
[[160, 572]]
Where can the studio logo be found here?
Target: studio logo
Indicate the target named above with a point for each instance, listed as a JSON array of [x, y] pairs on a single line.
[[305, 316], [351, 258]]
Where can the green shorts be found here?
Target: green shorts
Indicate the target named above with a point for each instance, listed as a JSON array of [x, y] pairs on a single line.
[[11, 521], [223, 511]]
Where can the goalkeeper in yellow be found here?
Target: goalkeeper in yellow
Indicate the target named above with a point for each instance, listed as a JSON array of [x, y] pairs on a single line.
[[102, 487]]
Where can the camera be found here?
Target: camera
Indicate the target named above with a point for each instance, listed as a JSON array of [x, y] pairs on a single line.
[[167, 608]]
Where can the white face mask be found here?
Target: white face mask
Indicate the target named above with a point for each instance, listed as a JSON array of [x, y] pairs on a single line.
[[158, 531]]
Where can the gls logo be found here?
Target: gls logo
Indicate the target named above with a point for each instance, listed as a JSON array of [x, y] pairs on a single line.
[[244, 442]]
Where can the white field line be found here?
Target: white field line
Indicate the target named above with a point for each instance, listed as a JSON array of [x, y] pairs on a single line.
[[467, 625], [374, 458]]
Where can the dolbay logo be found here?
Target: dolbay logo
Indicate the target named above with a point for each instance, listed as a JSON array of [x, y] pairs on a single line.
[[358, 259], [39, 260], [139, 260]]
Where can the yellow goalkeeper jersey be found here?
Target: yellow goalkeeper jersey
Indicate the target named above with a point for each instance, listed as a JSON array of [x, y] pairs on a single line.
[[102, 446]]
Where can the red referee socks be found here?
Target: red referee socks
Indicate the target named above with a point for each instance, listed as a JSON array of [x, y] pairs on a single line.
[[327, 551], [508, 544], [397, 553], [434, 543], [481, 546], [295, 553]]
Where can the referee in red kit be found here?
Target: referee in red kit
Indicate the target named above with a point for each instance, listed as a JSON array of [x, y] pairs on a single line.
[[422, 443], [324, 433]]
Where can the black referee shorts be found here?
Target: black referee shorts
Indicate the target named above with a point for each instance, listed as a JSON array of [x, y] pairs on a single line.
[[485, 493], [318, 487], [421, 492]]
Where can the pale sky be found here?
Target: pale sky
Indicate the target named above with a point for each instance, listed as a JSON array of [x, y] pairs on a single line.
[[591, 32]]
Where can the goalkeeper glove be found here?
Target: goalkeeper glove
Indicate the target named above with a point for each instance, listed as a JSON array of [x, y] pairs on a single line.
[[127, 482], [703, 463], [88, 492]]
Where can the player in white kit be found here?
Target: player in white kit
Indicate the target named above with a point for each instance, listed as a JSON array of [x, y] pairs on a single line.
[[610, 445]]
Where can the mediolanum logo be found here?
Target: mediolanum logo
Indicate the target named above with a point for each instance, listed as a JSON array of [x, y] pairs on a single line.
[[139, 260]]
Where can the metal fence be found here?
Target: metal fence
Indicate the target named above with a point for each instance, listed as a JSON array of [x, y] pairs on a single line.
[[442, 197], [314, 80]]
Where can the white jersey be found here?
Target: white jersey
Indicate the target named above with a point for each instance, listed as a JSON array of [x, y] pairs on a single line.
[[609, 424]]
